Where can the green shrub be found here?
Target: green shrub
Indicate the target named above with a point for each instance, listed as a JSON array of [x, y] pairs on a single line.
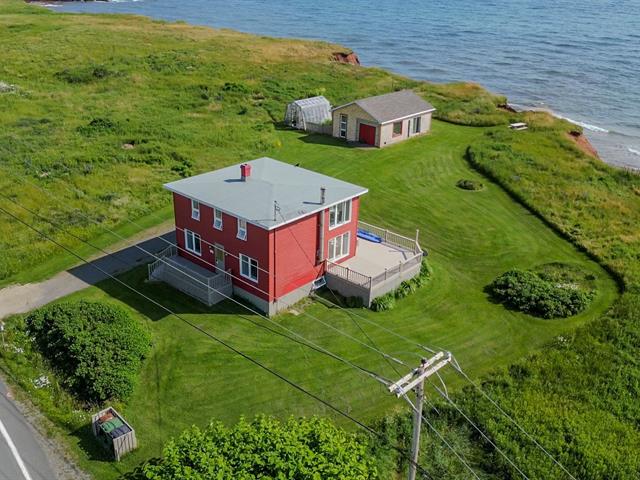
[[405, 289], [96, 348], [384, 303], [97, 126], [473, 185], [264, 448], [531, 293], [87, 74], [353, 302]]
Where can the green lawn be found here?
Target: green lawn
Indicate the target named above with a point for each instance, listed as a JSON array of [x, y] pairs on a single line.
[[472, 237]]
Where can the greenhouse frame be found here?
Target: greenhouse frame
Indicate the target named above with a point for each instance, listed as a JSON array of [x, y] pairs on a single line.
[[309, 114]]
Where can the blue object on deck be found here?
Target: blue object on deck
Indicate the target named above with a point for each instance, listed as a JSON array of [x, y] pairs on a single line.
[[369, 236]]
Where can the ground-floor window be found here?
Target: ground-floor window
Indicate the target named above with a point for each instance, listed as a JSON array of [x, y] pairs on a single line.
[[249, 267], [343, 126], [397, 129], [416, 124], [339, 246], [192, 242]]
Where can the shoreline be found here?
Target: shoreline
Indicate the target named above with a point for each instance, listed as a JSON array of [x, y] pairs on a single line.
[[610, 152]]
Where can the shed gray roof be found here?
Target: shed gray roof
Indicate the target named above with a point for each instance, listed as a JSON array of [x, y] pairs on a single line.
[[393, 106], [296, 189]]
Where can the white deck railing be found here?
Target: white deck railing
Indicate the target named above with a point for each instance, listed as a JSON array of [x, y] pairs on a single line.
[[392, 238]]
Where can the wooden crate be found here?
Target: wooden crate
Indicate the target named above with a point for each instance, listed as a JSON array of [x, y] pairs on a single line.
[[121, 445]]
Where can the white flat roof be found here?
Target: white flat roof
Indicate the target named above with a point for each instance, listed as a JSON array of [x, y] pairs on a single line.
[[296, 191]]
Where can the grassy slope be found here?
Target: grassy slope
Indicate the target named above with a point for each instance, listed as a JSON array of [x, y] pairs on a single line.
[[580, 395], [191, 99], [175, 75], [472, 237]]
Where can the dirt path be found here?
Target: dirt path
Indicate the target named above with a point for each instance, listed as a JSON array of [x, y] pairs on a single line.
[[127, 255]]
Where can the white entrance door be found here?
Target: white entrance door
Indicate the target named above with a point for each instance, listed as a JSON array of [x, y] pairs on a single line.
[[219, 253]]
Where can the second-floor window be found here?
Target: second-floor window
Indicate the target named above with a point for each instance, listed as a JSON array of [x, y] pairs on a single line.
[[242, 229], [195, 210], [340, 214], [192, 242], [217, 219]]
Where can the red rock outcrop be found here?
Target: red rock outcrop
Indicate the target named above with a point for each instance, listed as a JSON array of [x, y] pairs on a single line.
[[342, 57]]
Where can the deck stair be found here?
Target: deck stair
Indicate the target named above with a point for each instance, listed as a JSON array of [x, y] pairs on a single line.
[[207, 286]]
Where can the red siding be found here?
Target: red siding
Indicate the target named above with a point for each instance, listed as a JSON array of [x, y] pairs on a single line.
[[295, 251], [256, 246], [289, 253]]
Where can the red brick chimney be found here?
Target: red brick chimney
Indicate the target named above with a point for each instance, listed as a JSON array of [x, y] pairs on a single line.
[[245, 171]]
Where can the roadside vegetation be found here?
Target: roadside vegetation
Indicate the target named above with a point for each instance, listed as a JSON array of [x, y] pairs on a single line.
[[103, 127], [264, 448], [96, 349]]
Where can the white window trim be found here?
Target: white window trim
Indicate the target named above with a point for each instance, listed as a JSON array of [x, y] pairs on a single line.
[[346, 125], [344, 222], [341, 239], [242, 232], [417, 121], [195, 209], [186, 242], [249, 260], [217, 223]]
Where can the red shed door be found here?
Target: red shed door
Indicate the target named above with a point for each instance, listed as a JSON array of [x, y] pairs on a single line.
[[367, 134]]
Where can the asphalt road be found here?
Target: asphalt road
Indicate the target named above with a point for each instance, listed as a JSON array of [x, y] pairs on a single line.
[[21, 455]]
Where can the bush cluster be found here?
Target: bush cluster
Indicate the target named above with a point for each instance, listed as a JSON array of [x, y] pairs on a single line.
[[388, 301], [97, 348], [532, 293], [84, 74], [470, 185], [264, 448]]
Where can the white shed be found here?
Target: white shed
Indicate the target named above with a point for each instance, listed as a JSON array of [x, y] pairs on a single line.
[[308, 114]]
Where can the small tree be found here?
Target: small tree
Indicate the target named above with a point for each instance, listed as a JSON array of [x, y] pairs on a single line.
[[265, 448]]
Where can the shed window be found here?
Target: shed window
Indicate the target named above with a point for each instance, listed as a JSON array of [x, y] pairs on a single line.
[[242, 229], [195, 210], [340, 214], [217, 219], [249, 268], [343, 126], [192, 242], [416, 124], [397, 129], [339, 246]]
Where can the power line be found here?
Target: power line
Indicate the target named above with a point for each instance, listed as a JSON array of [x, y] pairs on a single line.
[[454, 405], [439, 435], [486, 395], [351, 337], [218, 340], [327, 352]]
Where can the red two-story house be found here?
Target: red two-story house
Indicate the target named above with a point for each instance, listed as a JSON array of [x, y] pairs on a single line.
[[269, 232]]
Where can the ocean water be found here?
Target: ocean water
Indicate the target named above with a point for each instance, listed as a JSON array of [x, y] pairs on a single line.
[[580, 60]]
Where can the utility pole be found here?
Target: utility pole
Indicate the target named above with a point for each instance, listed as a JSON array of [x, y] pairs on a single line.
[[2, 332], [415, 381]]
